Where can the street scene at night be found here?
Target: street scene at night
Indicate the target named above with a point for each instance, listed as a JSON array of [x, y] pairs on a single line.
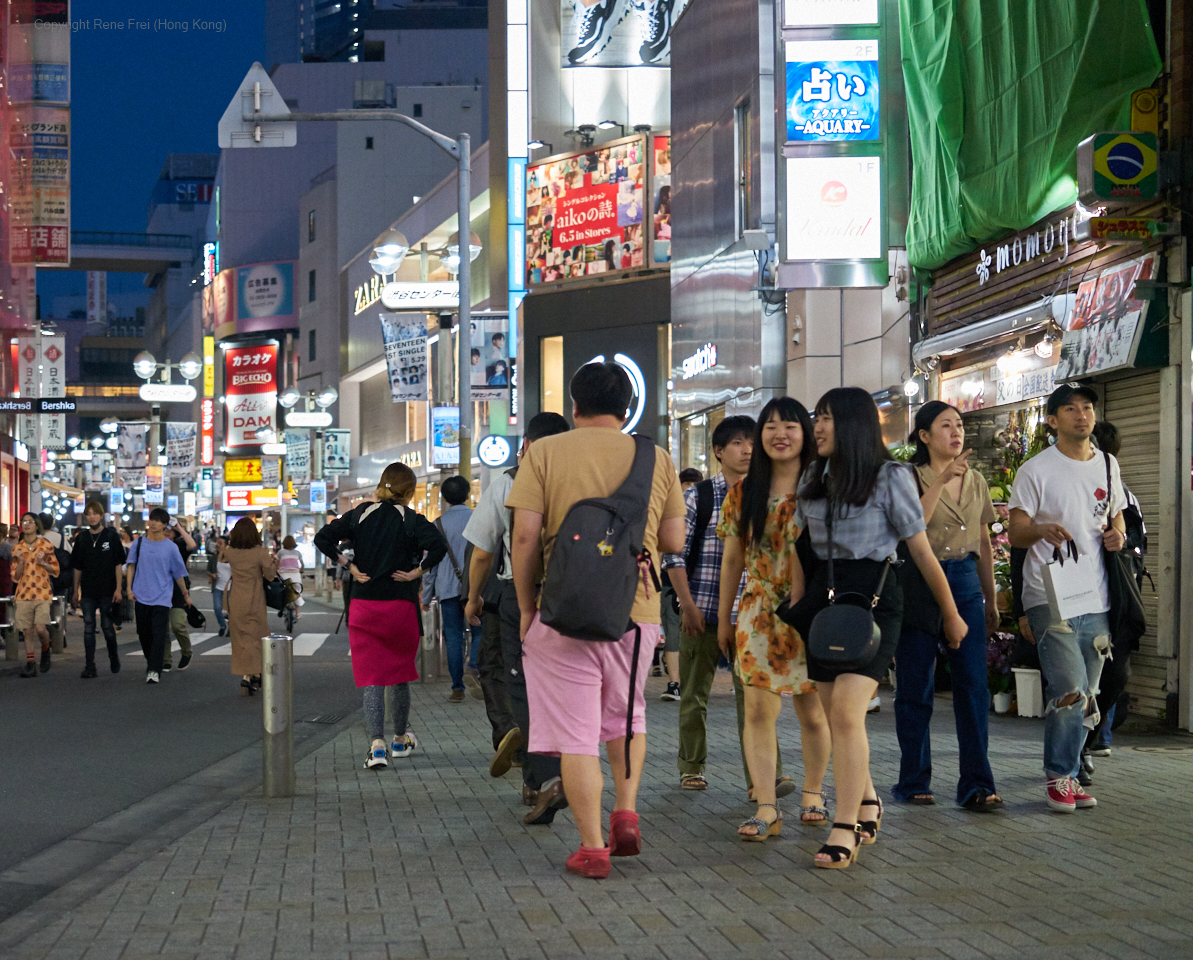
[[615, 479]]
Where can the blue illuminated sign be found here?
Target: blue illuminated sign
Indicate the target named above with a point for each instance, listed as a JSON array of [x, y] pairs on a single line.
[[832, 91]]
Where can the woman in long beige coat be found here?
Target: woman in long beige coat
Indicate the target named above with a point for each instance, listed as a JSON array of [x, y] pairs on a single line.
[[244, 601]]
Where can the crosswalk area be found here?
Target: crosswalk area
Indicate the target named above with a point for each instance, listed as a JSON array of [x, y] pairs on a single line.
[[305, 645]]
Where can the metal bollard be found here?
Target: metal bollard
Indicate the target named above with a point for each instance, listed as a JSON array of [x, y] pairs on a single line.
[[277, 697], [428, 655], [12, 642]]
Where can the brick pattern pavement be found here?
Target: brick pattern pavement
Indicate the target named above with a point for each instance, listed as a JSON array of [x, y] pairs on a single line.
[[430, 859]]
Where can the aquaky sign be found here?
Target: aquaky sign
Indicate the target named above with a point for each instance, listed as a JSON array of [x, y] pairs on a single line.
[[703, 359]]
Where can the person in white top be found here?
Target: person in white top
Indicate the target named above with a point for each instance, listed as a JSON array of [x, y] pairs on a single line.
[[291, 566], [219, 582], [1061, 500]]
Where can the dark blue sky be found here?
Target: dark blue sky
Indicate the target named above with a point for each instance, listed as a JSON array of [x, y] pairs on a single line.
[[141, 92]]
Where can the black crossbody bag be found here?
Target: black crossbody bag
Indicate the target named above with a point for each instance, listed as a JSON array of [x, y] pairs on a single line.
[[1126, 617], [845, 635]]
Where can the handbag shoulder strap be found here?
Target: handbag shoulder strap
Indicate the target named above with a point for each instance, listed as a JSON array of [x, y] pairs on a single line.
[[828, 525], [451, 554], [1109, 489]]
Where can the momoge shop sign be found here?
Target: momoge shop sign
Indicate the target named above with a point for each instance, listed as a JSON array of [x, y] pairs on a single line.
[[703, 359], [1025, 248]]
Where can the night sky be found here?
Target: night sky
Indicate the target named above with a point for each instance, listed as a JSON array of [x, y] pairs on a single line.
[[139, 93]]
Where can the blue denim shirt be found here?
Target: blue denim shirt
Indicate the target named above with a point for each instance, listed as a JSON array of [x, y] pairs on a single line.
[[441, 581]]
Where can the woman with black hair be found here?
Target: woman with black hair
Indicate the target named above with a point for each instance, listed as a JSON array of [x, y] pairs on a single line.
[[767, 654], [957, 510], [868, 502]]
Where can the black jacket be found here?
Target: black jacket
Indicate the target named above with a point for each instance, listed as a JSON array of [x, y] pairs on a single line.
[[384, 542]]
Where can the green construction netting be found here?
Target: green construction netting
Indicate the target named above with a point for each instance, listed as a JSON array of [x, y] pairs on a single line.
[[999, 94]]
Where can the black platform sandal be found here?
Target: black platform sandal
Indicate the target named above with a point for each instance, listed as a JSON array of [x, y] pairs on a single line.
[[870, 828], [842, 857]]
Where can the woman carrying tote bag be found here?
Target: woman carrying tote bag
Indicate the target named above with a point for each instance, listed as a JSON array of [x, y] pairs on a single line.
[[957, 509], [857, 504]]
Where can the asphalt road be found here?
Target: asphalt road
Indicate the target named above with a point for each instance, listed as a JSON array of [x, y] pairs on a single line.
[[77, 751]]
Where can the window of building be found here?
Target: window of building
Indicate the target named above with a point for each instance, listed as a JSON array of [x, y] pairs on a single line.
[[552, 374], [742, 157], [311, 227], [311, 341], [418, 109], [369, 141], [311, 287]]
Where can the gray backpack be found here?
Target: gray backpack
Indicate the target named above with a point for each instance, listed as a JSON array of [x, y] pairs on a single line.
[[596, 564]]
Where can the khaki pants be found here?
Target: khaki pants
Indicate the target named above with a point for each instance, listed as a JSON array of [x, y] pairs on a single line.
[[182, 633], [698, 658]]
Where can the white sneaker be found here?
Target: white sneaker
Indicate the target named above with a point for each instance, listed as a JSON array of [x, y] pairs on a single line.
[[875, 705], [1100, 752], [403, 746], [153, 677], [376, 756]]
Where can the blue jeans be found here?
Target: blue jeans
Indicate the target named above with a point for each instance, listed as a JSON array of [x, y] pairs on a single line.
[[217, 599], [915, 678], [1071, 656], [452, 612]]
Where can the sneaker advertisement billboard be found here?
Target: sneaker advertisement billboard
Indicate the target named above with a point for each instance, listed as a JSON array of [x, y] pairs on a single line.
[[617, 33]]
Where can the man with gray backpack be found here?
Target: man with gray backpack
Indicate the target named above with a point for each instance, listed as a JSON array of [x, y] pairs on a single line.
[[595, 508]]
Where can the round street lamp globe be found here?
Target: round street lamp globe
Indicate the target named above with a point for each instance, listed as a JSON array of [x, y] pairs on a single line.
[[289, 398], [109, 425], [190, 366], [112, 443], [144, 364], [474, 246], [327, 397]]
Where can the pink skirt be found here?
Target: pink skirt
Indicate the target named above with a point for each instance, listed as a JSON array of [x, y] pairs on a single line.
[[383, 637]]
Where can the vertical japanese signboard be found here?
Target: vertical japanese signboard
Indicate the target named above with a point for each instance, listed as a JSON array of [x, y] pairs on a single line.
[[53, 385], [490, 358], [207, 428], [97, 297], [250, 386], [29, 382], [337, 452]]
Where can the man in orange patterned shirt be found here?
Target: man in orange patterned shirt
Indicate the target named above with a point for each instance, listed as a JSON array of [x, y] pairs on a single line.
[[33, 564]]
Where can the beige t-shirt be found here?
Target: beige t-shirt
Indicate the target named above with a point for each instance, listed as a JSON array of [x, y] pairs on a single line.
[[593, 462], [956, 529]]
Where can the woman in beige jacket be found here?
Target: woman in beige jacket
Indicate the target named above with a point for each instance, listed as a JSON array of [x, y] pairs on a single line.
[[244, 601]]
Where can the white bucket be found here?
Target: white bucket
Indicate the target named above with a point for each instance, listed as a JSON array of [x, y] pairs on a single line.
[[1029, 692]]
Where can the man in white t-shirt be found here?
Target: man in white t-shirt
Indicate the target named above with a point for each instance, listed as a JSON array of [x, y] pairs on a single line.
[[1061, 495]]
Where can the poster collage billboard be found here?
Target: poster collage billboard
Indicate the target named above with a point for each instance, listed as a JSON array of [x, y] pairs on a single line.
[[585, 212]]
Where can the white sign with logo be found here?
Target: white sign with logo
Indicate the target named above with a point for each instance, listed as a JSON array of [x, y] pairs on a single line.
[[834, 208], [703, 359], [493, 450], [822, 13], [420, 296]]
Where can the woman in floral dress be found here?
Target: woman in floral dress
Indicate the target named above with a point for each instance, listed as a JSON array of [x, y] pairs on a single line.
[[766, 653]]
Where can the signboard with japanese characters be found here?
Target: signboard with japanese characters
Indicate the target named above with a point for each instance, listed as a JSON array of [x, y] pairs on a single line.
[[406, 358], [832, 91], [337, 452], [181, 439], [298, 456], [250, 378], [39, 185]]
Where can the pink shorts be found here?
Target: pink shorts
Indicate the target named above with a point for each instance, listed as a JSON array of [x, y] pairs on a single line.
[[579, 689]]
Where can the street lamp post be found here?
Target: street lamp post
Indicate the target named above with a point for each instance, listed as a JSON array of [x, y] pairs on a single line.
[[244, 125]]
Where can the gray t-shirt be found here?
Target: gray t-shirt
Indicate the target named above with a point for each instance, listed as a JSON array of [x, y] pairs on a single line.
[[872, 531], [489, 526]]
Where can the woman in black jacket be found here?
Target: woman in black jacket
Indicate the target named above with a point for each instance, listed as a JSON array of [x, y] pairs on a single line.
[[393, 547]]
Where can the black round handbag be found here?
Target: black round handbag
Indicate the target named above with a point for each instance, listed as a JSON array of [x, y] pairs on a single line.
[[194, 617]]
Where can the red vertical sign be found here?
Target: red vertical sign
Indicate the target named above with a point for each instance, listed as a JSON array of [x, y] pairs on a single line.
[[207, 432], [250, 379]]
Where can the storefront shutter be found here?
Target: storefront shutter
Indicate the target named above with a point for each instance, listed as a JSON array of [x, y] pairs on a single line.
[[1133, 405]]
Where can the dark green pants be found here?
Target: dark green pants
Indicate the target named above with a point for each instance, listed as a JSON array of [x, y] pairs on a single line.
[[698, 658]]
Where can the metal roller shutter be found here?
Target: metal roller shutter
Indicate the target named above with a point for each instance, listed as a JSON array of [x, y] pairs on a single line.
[[1133, 405]]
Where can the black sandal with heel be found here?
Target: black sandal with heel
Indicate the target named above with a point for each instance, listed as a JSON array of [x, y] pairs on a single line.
[[842, 857], [870, 828]]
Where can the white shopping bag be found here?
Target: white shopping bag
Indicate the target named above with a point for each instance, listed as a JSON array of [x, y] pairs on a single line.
[[1072, 582]]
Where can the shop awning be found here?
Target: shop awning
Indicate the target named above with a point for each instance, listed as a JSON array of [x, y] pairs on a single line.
[[1034, 316]]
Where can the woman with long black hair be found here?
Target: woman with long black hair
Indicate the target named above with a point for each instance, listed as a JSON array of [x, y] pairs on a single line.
[[766, 653], [868, 503], [957, 509]]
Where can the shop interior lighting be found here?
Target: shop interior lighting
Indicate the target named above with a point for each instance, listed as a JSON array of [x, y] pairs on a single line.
[[1046, 347], [911, 387]]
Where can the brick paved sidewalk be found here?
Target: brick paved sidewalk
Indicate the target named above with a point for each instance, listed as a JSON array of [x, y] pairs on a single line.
[[431, 860]]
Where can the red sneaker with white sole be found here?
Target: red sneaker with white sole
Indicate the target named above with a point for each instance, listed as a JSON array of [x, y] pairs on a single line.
[[1082, 799], [1061, 796]]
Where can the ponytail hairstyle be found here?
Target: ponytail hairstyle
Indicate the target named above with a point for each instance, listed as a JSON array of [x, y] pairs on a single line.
[[755, 488], [924, 418], [858, 451], [397, 483]]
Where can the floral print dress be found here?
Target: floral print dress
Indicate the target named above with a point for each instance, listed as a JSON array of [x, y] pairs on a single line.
[[770, 654]]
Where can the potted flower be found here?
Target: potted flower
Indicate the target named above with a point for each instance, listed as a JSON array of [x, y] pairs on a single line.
[[998, 669]]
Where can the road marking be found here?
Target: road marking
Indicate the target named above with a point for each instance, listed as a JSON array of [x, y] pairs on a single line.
[[305, 645], [196, 638]]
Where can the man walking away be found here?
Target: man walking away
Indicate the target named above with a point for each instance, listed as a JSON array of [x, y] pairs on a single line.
[[695, 575], [179, 626], [669, 612], [445, 582], [33, 565], [155, 568], [98, 564], [1061, 497], [500, 660], [582, 692]]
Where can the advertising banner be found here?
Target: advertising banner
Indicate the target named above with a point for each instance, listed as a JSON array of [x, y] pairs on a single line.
[[834, 208], [29, 382], [298, 456], [445, 436], [405, 339], [219, 305], [660, 183], [207, 425], [490, 353], [97, 296], [180, 448], [250, 498], [318, 496], [607, 34], [832, 91], [116, 501], [131, 441], [1106, 324], [250, 384], [264, 296], [584, 213], [39, 185], [271, 472], [337, 452], [154, 489], [53, 385], [243, 471]]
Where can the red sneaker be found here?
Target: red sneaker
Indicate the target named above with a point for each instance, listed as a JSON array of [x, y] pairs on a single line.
[[591, 862], [625, 838], [1061, 796], [1082, 799]]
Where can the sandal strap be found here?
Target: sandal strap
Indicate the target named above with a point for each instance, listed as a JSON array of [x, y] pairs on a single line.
[[845, 826], [757, 823], [772, 806], [823, 811], [838, 853]]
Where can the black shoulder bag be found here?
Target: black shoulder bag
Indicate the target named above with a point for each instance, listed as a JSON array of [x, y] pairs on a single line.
[[845, 636], [920, 609], [1127, 619]]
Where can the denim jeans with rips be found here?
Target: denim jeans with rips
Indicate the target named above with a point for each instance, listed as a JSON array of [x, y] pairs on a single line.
[[1071, 656]]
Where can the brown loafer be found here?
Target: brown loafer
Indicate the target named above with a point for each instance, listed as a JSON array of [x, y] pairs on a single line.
[[550, 799], [530, 796], [503, 758], [456, 696]]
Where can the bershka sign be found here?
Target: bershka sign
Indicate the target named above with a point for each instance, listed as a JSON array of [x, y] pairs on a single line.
[[250, 375], [703, 359]]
